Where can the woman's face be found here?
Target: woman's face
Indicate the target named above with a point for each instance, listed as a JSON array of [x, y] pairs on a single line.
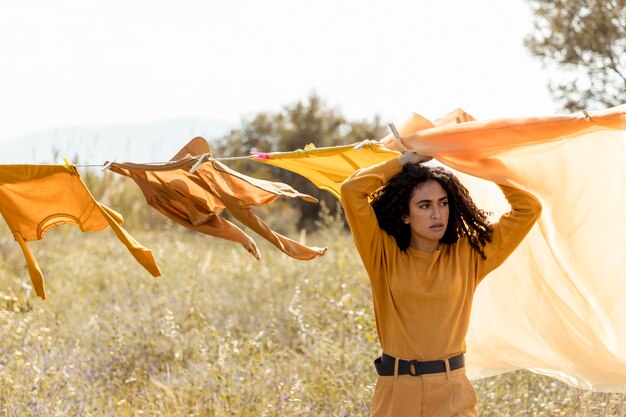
[[428, 215]]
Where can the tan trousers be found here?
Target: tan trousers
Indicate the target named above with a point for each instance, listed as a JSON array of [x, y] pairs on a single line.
[[446, 394]]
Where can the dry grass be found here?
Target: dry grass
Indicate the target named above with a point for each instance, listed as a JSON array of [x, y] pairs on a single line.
[[220, 334]]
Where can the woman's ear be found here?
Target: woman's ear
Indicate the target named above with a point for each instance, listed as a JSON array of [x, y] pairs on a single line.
[[405, 219]]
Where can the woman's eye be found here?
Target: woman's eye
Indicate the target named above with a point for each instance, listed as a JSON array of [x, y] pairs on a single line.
[[444, 203]]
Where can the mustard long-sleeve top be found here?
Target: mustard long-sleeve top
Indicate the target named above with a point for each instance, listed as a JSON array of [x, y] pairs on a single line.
[[422, 301]]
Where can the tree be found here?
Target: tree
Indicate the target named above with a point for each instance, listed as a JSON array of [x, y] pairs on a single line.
[[293, 128], [587, 40]]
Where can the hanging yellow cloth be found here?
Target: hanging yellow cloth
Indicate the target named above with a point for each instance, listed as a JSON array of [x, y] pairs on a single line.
[[328, 167], [36, 198]]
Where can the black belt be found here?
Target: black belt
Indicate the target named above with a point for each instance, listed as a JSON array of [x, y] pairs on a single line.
[[385, 365]]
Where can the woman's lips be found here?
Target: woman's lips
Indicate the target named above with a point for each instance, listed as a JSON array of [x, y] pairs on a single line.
[[437, 226]]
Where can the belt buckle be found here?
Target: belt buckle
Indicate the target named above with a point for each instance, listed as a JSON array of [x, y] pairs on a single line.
[[413, 365]]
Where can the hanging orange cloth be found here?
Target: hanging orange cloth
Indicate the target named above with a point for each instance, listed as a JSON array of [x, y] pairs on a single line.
[[36, 198], [182, 197], [196, 200]]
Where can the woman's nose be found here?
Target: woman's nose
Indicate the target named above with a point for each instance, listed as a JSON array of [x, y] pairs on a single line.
[[436, 213]]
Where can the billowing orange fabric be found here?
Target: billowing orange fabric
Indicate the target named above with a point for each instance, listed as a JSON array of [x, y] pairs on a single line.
[[36, 198], [557, 306], [496, 137], [196, 200]]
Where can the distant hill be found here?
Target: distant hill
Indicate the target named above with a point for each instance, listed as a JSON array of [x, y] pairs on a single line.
[[129, 143]]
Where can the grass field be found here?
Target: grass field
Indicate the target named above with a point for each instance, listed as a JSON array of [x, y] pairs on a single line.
[[219, 334]]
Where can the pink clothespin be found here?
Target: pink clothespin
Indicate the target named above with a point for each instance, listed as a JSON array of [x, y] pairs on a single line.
[[261, 155]]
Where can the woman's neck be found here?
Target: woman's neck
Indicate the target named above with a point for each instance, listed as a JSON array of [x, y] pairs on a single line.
[[425, 245]]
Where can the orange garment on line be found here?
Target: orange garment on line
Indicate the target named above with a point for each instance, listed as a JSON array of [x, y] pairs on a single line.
[[180, 197], [196, 200], [36, 198]]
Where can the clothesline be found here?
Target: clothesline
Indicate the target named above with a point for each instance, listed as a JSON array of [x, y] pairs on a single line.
[[226, 158], [205, 157], [259, 155]]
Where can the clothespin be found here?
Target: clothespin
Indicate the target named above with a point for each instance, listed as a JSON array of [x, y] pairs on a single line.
[[260, 155], [587, 117], [198, 162], [364, 143], [396, 135], [68, 165], [108, 165]]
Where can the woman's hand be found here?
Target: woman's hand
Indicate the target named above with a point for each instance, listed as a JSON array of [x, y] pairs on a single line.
[[413, 158]]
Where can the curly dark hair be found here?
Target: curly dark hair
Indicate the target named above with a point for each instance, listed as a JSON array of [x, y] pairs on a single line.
[[391, 205]]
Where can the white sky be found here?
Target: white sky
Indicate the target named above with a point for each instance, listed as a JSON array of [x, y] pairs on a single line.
[[100, 63]]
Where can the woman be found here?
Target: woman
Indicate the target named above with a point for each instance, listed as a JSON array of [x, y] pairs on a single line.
[[426, 246]]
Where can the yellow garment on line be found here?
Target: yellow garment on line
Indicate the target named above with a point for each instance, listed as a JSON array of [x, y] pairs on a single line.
[[36, 198], [328, 167]]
